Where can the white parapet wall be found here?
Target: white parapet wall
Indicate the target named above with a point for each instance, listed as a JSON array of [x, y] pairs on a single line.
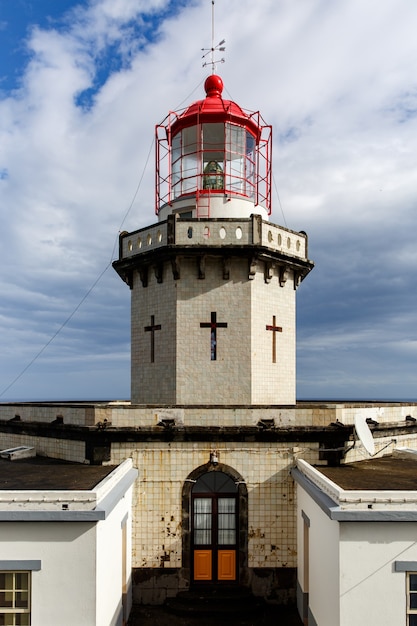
[[216, 232]]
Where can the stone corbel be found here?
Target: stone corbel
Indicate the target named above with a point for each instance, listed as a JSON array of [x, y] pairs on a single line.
[[284, 274], [297, 279], [268, 271], [201, 261], [175, 264], [128, 278], [226, 268], [253, 262], [143, 275], [159, 272]]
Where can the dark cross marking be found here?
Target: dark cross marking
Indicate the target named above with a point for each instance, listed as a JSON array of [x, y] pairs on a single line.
[[213, 325], [275, 329], [152, 328]]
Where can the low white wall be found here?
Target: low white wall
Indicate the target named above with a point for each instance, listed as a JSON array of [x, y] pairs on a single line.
[[323, 561], [110, 563]]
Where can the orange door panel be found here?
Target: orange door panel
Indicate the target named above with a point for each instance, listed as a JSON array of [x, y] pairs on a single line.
[[214, 529], [202, 565], [226, 565]]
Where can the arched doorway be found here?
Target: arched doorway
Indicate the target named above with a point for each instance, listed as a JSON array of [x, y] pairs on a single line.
[[215, 526]]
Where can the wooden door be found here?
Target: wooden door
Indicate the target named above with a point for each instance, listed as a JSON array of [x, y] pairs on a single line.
[[214, 529]]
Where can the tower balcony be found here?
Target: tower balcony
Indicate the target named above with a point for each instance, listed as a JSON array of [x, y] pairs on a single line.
[[238, 237]]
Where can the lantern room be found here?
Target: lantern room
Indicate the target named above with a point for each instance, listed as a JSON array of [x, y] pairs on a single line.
[[213, 160]]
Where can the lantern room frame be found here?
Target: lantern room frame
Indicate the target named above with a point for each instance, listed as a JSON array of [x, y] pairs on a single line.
[[246, 141]]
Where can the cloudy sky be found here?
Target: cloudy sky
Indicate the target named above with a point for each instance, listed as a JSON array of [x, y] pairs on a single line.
[[82, 85]]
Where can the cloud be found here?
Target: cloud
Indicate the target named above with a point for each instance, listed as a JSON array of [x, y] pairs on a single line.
[[336, 81]]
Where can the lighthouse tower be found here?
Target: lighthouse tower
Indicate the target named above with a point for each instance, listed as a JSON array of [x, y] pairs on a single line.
[[213, 282]]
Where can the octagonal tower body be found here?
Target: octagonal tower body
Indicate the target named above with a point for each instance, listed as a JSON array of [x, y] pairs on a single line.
[[213, 281]]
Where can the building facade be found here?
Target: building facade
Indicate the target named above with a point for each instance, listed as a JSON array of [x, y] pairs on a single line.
[[173, 448], [357, 555], [65, 543], [213, 425]]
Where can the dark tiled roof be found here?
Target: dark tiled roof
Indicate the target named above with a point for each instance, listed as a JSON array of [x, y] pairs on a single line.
[[40, 473], [385, 473]]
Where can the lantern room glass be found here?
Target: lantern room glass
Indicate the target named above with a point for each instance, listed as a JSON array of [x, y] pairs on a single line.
[[213, 157]]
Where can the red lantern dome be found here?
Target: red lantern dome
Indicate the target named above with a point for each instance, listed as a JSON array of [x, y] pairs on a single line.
[[213, 159]]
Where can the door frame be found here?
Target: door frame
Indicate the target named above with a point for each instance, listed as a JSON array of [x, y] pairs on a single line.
[[213, 548], [242, 539]]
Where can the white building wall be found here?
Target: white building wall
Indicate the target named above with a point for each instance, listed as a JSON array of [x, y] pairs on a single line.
[[77, 575], [371, 591], [353, 578], [323, 584], [110, 564], [63, 591]]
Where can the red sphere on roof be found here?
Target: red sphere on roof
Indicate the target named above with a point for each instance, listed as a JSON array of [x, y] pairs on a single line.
[[213, 86]]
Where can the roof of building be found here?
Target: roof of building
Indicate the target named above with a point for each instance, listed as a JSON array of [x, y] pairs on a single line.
[[215, 109], [376, 490], [41, 473], [385, 473]]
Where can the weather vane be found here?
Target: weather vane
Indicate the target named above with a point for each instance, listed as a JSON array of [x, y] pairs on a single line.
[[218, 48]]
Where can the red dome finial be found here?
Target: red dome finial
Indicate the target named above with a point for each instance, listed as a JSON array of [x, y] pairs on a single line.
[[213, 86]]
